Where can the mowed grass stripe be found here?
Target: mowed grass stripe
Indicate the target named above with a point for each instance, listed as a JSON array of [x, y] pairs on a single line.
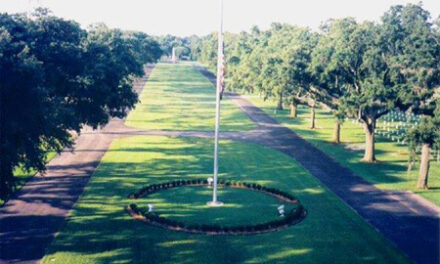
[[178, 97], [100, 231]]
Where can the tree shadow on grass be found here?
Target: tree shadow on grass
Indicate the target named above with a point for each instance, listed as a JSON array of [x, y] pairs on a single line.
[[132, 241], [100, 231]]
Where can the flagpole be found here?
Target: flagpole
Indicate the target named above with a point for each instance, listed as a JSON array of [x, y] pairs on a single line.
[[215, 202]]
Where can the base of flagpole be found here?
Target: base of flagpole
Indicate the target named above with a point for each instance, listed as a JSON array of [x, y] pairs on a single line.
[[215, 204]]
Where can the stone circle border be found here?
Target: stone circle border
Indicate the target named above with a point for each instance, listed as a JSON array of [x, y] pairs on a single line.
[[292, 217]]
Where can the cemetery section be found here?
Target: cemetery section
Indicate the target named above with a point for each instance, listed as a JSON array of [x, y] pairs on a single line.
[[389, 172]]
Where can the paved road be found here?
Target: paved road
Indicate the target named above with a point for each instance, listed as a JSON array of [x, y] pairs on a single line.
[[409, 221], [30, 220]]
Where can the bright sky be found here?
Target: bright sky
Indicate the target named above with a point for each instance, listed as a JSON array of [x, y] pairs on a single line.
[[186, 17]]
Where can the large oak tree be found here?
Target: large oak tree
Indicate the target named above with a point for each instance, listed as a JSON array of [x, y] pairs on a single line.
[[56, 77], [411, 46]]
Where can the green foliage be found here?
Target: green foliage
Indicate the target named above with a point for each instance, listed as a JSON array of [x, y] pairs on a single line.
[[143, 47], [427, 130], [188, 47], [357, 70], [168, 42], [56, 77], [390, 173], [351, 69], [208, 54], [413, 45], [285, 67]]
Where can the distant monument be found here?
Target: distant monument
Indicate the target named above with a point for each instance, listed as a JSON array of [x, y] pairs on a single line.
[[173, 55]]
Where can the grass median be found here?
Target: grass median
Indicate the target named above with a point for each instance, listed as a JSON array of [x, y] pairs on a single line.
[[178, 97]]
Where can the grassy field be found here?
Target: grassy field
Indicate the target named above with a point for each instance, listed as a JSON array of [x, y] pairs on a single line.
[[178, 97], [389, 173], [100, 231]]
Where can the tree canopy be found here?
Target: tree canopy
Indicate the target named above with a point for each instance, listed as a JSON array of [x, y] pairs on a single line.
[[55, 78], [360, 71]]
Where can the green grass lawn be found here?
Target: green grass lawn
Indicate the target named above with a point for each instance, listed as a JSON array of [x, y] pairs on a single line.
[[100, 231], [188, 205], [178, 97], [389, 173]]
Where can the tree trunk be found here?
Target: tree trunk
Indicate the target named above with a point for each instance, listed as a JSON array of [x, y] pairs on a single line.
[[280, 102], [369, 127], [438, 155], [410, 167], [312, 117], [337, 133], [424, 167], [6, 180], [293, 109]]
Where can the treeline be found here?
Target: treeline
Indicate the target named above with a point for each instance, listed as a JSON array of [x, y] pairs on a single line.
[[55, 78], [356, 70]]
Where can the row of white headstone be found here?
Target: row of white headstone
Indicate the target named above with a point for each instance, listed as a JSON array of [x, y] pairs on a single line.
[[395, 125]]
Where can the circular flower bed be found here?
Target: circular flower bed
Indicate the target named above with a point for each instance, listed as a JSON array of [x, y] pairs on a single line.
[[291, 217]]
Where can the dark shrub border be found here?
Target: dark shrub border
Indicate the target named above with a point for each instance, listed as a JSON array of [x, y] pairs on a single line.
[[291, 217]]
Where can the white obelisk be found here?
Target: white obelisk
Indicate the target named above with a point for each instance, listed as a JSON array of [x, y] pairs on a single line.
[[214, 201], [173, 55]]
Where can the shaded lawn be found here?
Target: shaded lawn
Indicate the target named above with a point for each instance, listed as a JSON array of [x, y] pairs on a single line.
[[178, 97], [21, 176], [100, 231], [389, 173]]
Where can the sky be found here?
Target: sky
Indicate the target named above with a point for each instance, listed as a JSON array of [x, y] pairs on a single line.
[[200, 17]]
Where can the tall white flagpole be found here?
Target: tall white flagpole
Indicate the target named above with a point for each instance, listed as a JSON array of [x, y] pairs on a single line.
[[215, 202]]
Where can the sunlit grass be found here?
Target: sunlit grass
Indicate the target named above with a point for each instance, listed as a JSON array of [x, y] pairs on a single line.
[[178, 97], [189, 205], [100, 231], [389, 173]]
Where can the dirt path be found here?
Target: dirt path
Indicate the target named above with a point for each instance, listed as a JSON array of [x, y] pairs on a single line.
[[29, 221]]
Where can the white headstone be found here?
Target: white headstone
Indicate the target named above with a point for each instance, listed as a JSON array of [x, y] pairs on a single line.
[[281, 210], [210, 181]]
